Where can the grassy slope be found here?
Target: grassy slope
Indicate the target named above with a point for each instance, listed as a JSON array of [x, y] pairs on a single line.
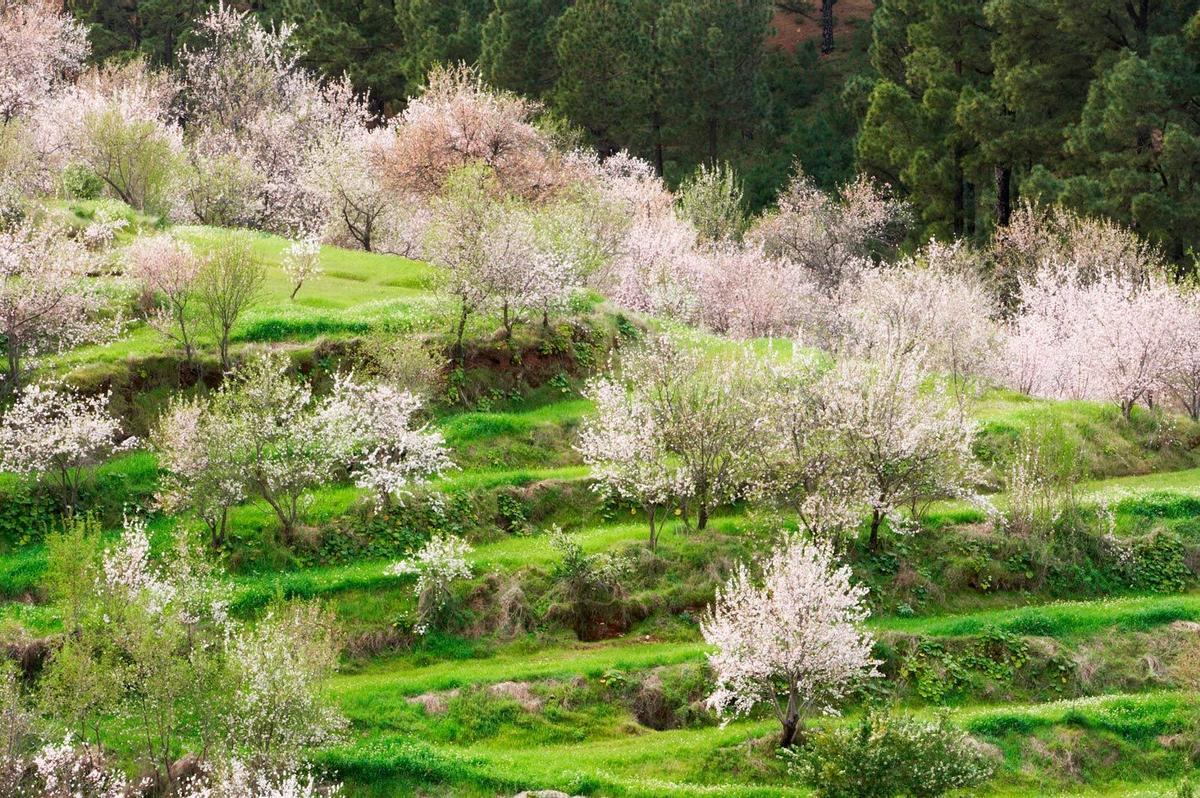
[[616, 755]]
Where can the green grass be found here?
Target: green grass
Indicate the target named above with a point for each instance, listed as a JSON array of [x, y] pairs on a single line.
[[357, 291], [522, 445]]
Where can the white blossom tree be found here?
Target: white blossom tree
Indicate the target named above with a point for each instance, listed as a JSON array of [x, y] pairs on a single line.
[[792, 640], [167, 270], [627, 454], [199, 470], [302, 261], [911, 443], [261, 117], [47, 299], [441, 562], [701, 405], [57, 435], [1107, 337], [803, 461], [284, 442]]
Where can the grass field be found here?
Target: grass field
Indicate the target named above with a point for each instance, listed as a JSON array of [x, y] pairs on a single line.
[[1081, 701]]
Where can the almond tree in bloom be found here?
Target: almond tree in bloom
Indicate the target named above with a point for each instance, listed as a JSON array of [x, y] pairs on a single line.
[[525, 273], [57, 435], [198, 467], [276, 671], [285, 442], [346, 171], [302, 261], [935, 304], [382, 443], [802, 453], [120, 123], [627, 454], [746, 293], [438, 565], [457, 121], [167, 270], [495, 256], [792, 640], [830, 235], [1106, 337], [1094, 247], [702, 408], [258, 117], [458, 242], [150, 642], [40, 48], [910, 443], [47, 300], [1183, 382]]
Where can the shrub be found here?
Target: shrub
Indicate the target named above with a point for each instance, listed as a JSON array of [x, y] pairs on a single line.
[[591, 586], [81, 183], [888, 756]]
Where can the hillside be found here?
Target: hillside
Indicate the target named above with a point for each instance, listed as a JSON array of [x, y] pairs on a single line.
[[1064, 671]]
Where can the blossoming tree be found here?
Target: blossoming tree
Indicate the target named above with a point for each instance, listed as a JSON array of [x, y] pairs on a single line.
[[792, 640], [58, 435]]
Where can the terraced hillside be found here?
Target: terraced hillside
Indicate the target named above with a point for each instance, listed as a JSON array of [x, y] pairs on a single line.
[[1068, 664]]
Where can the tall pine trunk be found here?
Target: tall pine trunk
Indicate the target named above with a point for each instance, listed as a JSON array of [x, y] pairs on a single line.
[[827, 25], [1003, 175]]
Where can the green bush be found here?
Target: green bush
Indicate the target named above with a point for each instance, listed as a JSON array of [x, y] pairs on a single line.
[[1159, 564], [887, 756], [81, 183]]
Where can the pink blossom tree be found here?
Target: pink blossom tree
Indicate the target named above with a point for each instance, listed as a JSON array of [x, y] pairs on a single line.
[[47, 299], [1183, 381], [1107, 337], [935, 304], [830, 235], [910, 443], [167, 270], [57, 435], [257, 114], [792, 640], [457, 121], [40, 48]]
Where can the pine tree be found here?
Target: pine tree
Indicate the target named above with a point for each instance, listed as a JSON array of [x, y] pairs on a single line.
[[516, 51], [713, 53], [934, 56], [604, 81], [359, 38], [438, 32]]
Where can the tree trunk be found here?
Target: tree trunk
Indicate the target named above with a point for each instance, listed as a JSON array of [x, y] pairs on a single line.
[[14, 369], [959, 194], [791, 720], [702, 515], [658, 145], [1003, 176], [651, 512], [873, 541], [458, 341], [827, 25]]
